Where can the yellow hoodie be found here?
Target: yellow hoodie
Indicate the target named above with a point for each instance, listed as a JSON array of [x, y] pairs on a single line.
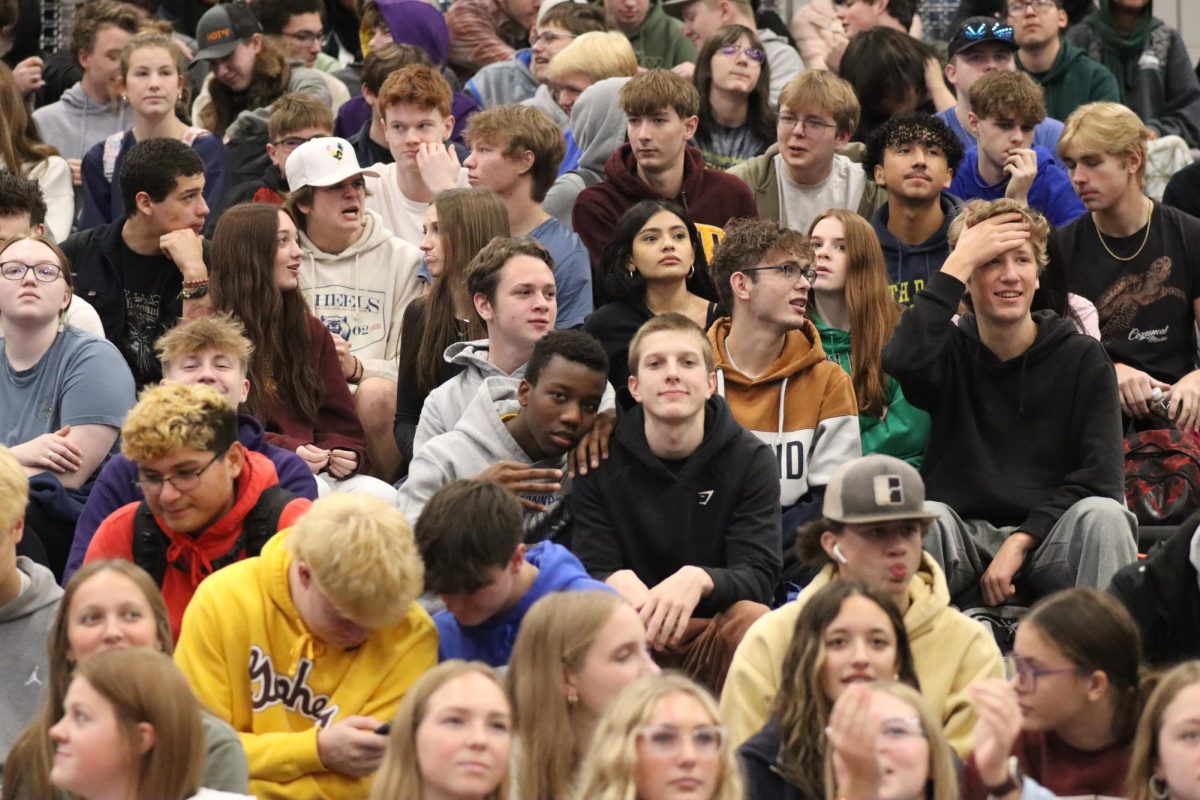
[[252, 662], [950, 651]]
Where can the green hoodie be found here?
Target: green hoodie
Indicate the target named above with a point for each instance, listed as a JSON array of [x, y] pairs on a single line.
[[903, 430], [659, 41], [1073, 80]]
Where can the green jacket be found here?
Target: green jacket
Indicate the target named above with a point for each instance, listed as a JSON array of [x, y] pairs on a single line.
[[1073, 80], [660, 42], [759, 174], [903, 430]]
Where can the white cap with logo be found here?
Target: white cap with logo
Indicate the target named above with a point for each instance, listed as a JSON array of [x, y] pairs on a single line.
[[324, 161]]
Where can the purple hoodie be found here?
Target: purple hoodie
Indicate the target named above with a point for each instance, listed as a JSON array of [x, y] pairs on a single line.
[[116, 488]]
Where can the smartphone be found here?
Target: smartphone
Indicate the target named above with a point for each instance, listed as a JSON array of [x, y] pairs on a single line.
[[384, 729]]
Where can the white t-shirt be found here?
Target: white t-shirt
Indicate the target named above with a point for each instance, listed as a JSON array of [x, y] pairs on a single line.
[[403, 217], [800, 205]]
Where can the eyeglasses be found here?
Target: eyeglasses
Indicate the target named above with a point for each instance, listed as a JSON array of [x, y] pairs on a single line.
[[292, 142], [308, 37], [185, 480], [897, 729], [997, 30], [44, 271], [790, 271], [549, 37], [808, 125], [1025, 675], [667, 740], [1018, 7], [752, 53]]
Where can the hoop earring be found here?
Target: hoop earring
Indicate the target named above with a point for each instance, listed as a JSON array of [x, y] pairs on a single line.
[[1158, 787], [692, 271], [632, 269]]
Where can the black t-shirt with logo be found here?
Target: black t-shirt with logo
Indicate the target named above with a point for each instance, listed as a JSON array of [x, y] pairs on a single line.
[[1147, 317], [152, 306]]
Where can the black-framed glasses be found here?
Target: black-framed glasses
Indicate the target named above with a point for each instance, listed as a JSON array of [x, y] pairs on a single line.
[[549, 37], [43, 271], [308, 37], [814, 125], [1025, 675], [790, 271], [185, 480], [752, 53], [667, 740], [984, 30], [1018, 7], [292, 142]]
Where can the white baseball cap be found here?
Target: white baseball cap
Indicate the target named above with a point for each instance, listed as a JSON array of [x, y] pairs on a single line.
[[325, 161]]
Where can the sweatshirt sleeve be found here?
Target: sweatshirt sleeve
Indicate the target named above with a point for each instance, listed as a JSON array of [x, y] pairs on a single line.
[[753, 680], [97, 190], [294, 474], [408, 397], [593, 219], [752, 537], [337, 421], [1096, 423], [594, 541], [913, 356], [216, 173], [981, 660], [112, 490], [836, 439], [405, 262], [426, 474], [1181, 91], [54, 177]]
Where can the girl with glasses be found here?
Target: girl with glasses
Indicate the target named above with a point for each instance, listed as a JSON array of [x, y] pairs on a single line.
[[733, 78], [1075, 684], [153, 81], [63, 394], [661, 739], [450, 738], [848, 633], [109, 605], [853, 310], [654, 263]]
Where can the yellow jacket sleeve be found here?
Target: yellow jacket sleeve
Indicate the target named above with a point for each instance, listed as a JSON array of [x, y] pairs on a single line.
[[754, 675]]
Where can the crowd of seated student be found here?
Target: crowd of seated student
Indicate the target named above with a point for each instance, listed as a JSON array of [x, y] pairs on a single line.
[[674, 479]]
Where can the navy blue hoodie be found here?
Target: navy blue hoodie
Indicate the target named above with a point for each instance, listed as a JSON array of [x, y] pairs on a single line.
[[910, 265]]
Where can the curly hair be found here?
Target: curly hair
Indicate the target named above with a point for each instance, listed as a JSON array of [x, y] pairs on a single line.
[[400, 774], [801, 704], [577, 346], [171, 417], [362, 555], [913, 128], [1011, 95], [611, 765], [749, 240]]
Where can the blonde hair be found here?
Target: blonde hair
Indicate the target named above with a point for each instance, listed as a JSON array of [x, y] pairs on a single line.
[[177, 416], [144, 685], [1144, 753], [821, 90], [362, 556], [598, 55], [399, 776], [610, 767], [14, 490], [523, 128], [942, 780], [675, 323], [219, 332], [553, 640], [1106, 127], [977, 211]]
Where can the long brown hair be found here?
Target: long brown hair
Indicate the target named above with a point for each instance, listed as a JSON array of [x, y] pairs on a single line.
[[282, 370], [873, 312], [267, 84], [27, 768], [467, 219], [801, 705], [20, 142]]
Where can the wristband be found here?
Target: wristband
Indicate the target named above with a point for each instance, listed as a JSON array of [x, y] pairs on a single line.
[[1011, 783], [196, 283], [191, 293], [357, 375]]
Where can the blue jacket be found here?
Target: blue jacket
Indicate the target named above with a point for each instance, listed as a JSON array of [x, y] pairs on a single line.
[[1051, 192], [115, 487], [492, 641]]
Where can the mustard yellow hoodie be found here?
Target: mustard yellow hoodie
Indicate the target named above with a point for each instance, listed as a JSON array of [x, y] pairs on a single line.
[[253, 663], [950, 651]]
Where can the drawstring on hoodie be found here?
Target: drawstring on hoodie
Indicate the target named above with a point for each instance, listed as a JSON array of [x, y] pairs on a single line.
[[782, 397]]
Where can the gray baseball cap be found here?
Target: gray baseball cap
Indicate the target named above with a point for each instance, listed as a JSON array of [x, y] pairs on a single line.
[[221, 28], [675, 7], [875, 488]]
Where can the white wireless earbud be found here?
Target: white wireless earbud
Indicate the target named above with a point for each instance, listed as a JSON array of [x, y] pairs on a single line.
[[838, 554]]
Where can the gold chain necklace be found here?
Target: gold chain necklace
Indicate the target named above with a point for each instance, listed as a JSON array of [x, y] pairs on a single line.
[[1146, 238]]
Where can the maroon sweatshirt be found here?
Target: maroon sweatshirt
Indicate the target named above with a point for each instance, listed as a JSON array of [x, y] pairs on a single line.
[[709, 196], [1061, 768]]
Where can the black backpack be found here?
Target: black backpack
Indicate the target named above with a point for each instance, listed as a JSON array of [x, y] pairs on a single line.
[[150, 544]]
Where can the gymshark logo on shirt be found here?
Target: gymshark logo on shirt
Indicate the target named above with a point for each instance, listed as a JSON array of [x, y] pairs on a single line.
[[705, 496], [33, 679]]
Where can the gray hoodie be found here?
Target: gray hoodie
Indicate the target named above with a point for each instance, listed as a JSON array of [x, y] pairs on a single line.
[[479, 440], [24, 628], [76, 122], [446, 404], [598, 125], [543, 100]]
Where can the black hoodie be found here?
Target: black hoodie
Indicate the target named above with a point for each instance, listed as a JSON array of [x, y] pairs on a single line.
[[718, 511], [1014, 442]]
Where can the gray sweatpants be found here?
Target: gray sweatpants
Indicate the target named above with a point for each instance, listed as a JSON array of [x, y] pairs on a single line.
[[1089, 543]]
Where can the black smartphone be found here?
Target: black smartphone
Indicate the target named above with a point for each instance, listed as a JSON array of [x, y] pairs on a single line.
[[384, 729]]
